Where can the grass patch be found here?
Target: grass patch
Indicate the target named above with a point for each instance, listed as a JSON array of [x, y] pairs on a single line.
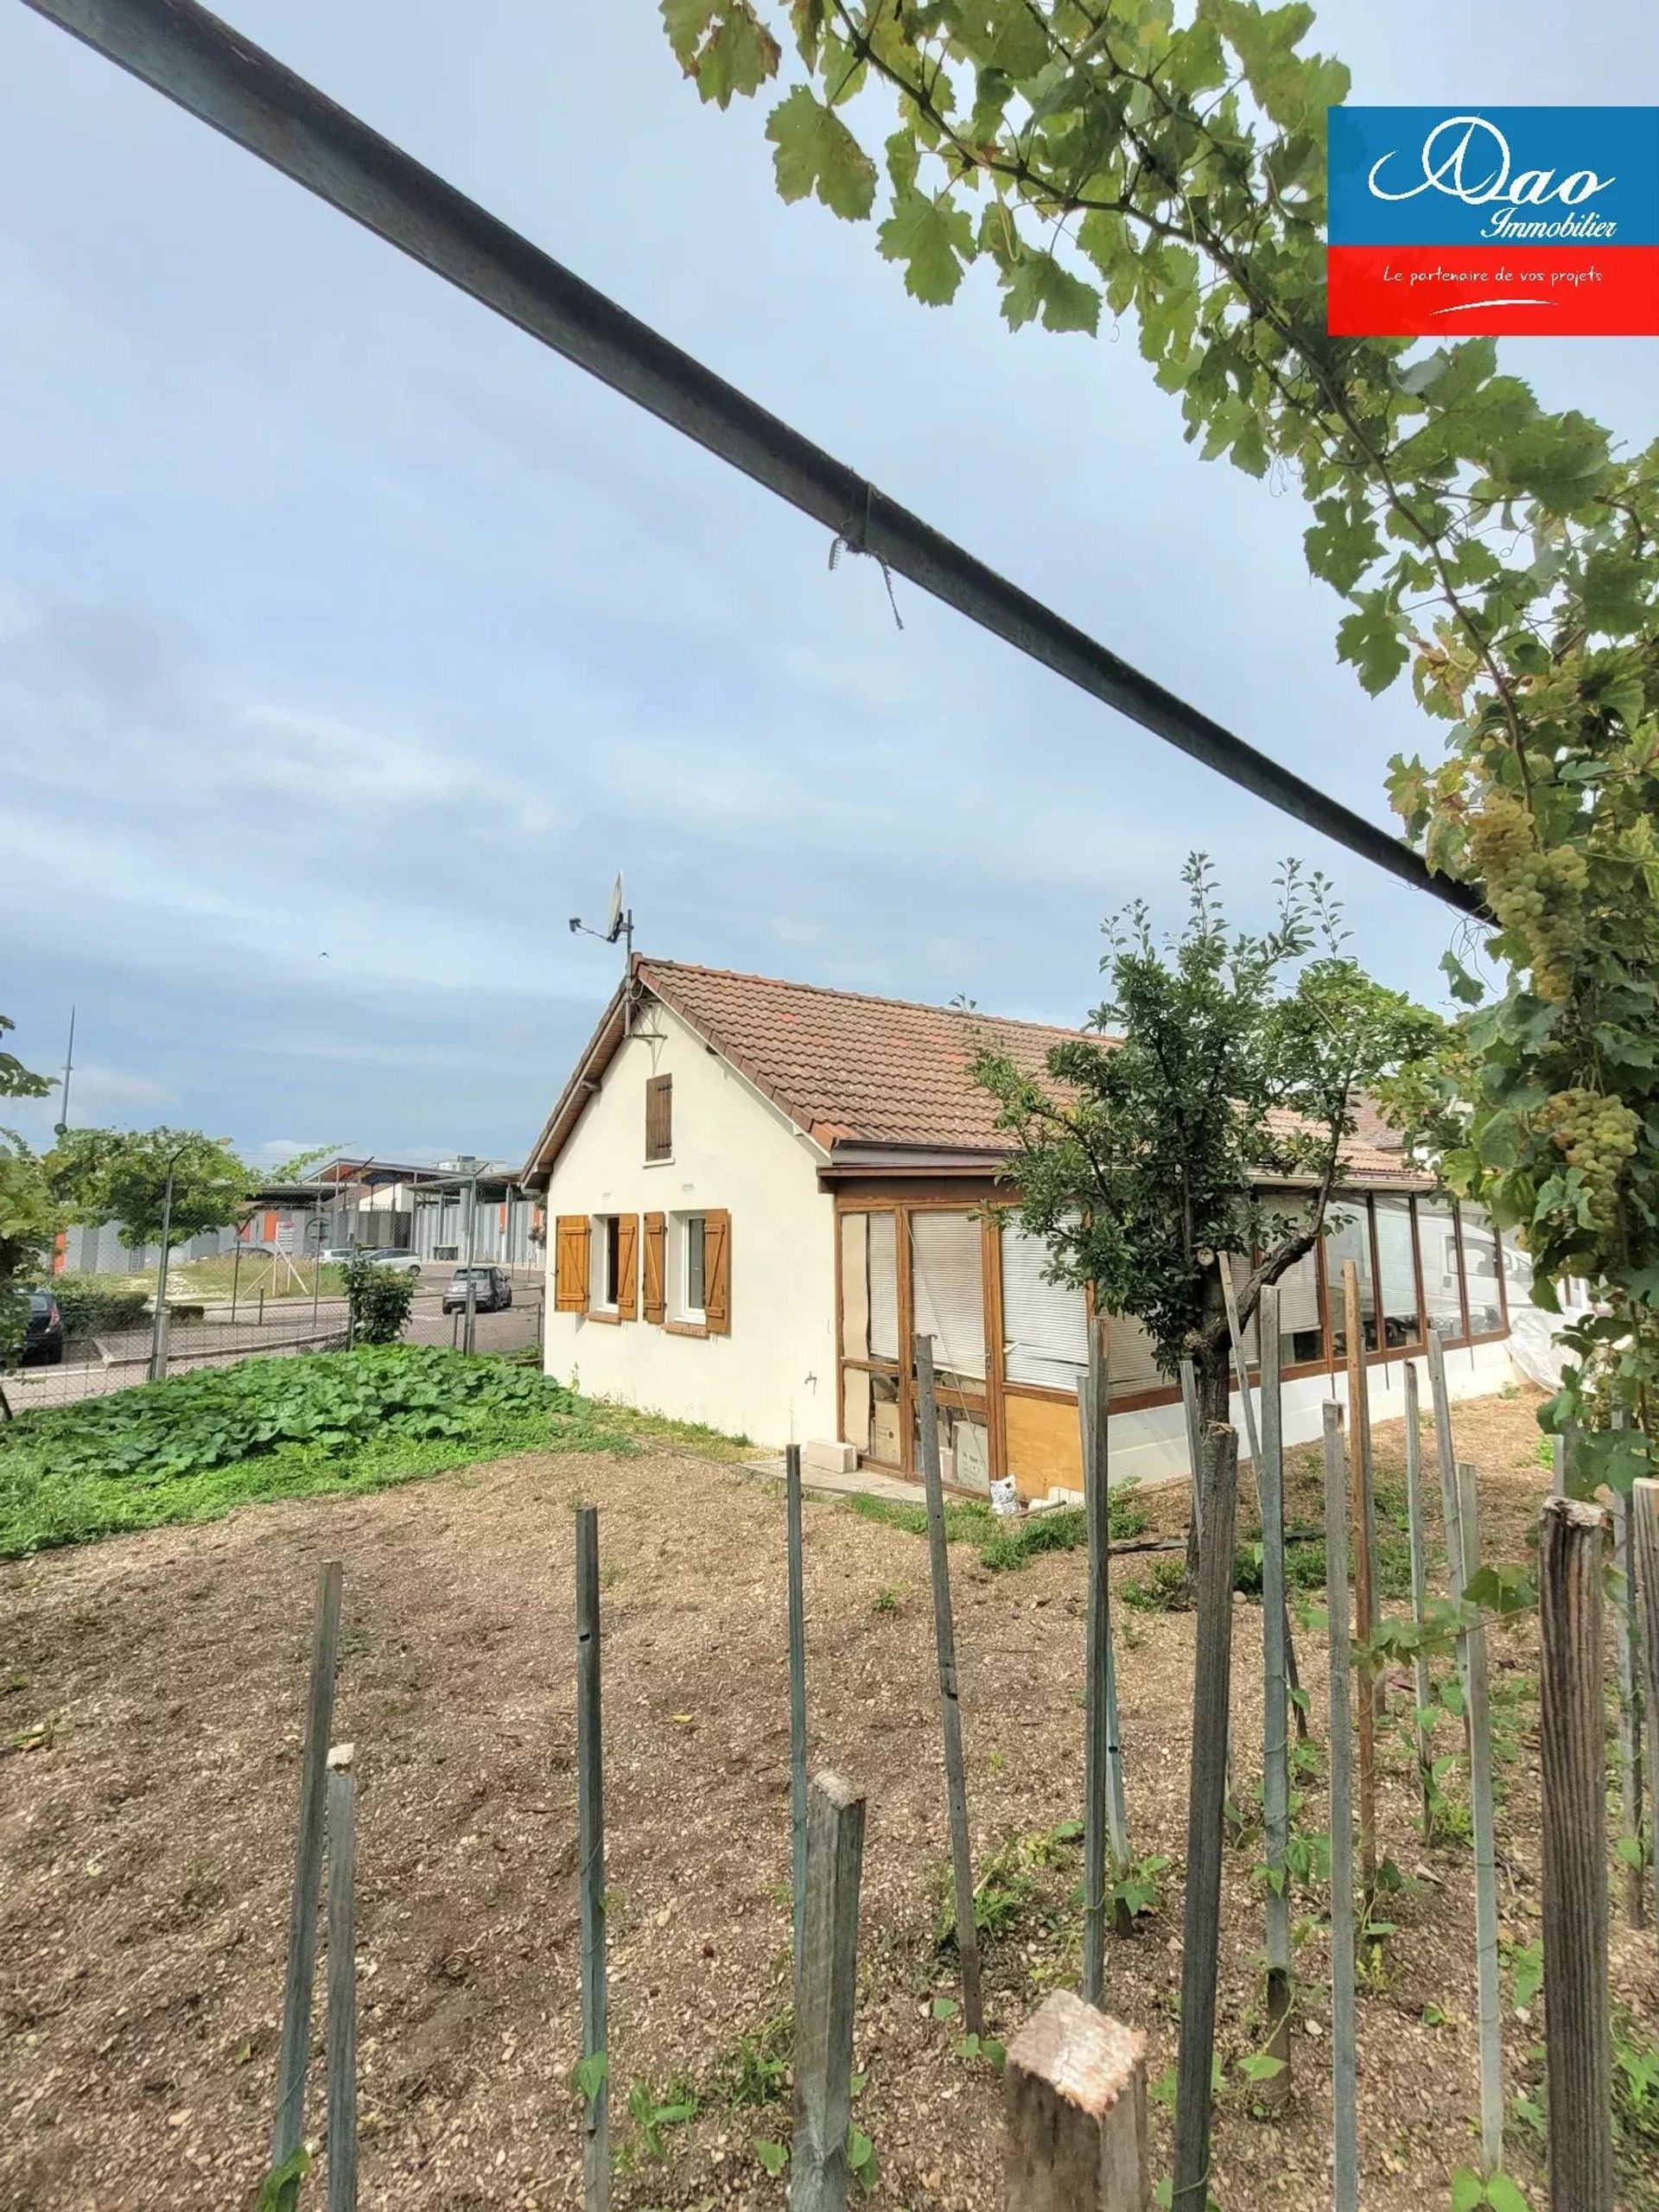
[[196, 1445], [692, 1436], [1005, 1542]]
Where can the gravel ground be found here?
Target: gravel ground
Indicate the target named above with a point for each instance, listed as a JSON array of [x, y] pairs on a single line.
[[151, 1692]]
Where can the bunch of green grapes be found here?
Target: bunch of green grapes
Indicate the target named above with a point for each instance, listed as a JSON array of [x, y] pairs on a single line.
[[1537, 895], [1598, 1135]]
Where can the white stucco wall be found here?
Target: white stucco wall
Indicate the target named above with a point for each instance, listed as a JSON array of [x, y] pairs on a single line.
[[1151, 1445], [773, 1378]]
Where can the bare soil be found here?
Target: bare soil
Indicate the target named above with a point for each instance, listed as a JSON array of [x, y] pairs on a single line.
[[151, 1692]]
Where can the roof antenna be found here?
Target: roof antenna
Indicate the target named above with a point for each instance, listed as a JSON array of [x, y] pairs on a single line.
[[618, 929], [60, 1128]]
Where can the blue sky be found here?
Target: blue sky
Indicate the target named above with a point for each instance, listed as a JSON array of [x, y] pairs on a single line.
[[337, 618]]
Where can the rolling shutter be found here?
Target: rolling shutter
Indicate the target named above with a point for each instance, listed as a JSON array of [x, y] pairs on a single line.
[[571, 1272], [717, 1273], [627, 1266], [656, 1292]]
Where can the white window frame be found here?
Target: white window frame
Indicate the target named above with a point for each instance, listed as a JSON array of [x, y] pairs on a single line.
[[680, 1309], [600, 1247]]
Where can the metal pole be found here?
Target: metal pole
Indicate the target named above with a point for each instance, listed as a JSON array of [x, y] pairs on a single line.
[[1344, 2064], [68, 1069], [341, 2055], [236, 1270], [1275, 1700], [1480, 1806], [796, 1704], [472, 1246], [221, 76], [944, 1641], [590, 1834], [1419, 1594], [158, 1328]]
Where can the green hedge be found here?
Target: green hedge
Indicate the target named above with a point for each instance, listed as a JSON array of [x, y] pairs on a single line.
[[91, 1306]]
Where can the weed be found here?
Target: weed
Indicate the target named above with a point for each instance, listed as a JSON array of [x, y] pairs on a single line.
[[755, 2070], [653, 2112], [889, 1598], [1004, 1543], [1165, 1589]]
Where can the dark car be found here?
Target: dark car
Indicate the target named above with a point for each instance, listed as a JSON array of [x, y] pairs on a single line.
[[43, 1334], [492, 1290]]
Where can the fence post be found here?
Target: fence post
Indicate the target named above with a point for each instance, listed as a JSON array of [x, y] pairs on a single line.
[[590, 1845], [823, 2013], [1194, 1442], [1449, 1509], [1275, 1744], [342, 2043], [1206, 1812], [1364, 1558], [1480, 1806], [945, 1640], [1345, 2062], [1102, 1839], [293, 2048], [1627, 1647], [1255, 1446], [1419, 1594], [1644, 1560], [1074, 2101], [1577, 1999], [796, 1704]]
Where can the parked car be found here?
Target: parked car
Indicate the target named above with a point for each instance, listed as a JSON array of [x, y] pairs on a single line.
[[42, 1331], [492, 1291], [336, 1256], [403, 1263]]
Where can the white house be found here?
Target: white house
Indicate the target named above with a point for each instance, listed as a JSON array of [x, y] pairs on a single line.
[[758, 1192]]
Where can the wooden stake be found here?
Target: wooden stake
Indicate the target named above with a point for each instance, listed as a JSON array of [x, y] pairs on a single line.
[[1476, 1677], [944, 1639], [1455, 1577], [1577, 1996], [1275, 1734], [590, 1849], [1421, 1684], [1626, 1648], [294, 2050], [1103, 1842], [341, 2043], [1194, 1445], [1242, 1368], [823, 2020], [1344, 2059], [1644, 1559], [1074, 2097], [797, 1702], [1364, 1587], [1206, 1808]]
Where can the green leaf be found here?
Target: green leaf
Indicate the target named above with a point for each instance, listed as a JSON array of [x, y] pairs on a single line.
[[1468, 2190], [1260, 2067], [280, 2191], [1037, 284], [1502, 2194], [945, 2008], [685, 21], [738, 58], [1370, 640], [934, 239], [818, 154], [588, 2075], [773, 2157], [1342, 545]]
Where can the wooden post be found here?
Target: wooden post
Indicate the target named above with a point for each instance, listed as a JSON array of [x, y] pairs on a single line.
[[945, 1640], [1577, 1997], [1626, 1648], [1364, 1588], [823, 2013], [1480, 1804], [590, 1849], [1275, 1734], [1074, 2097], [1105, 1837], [1344, 2061], [342, 2043], [1645, 1558], [1419, 1595], [294, 2050], [1450, 1510], [1558, 1465], [796, 1704], [1242, 1368], [1206, 1808]]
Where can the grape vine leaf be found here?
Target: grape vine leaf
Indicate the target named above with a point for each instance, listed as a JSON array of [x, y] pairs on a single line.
[[819, 155]]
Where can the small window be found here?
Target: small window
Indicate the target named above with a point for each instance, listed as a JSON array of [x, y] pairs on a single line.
[[607, 1242], [659, 1117], [694, 1245]]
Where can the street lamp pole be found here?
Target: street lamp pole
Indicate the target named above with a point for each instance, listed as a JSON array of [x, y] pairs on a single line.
[[158, 1327], [470, 1166]]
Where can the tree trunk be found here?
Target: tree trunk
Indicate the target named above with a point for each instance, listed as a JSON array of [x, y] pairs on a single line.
[[1211, 1368]]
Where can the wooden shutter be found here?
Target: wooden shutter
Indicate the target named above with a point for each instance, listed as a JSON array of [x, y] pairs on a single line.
[[656, 1298], [627, 1266], [570, 1273], [659, 1117], [717, 1273]]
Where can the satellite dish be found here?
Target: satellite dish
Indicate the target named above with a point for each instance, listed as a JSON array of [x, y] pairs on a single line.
[[613, 928]]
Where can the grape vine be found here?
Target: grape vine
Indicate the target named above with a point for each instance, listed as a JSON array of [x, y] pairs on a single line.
[[1164, 160]]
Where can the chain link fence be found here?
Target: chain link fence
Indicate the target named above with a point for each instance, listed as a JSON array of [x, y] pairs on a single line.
[[262, 1328]]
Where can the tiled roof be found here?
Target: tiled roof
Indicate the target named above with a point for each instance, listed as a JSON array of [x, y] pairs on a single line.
[[853, 1071], [849, 1069]]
